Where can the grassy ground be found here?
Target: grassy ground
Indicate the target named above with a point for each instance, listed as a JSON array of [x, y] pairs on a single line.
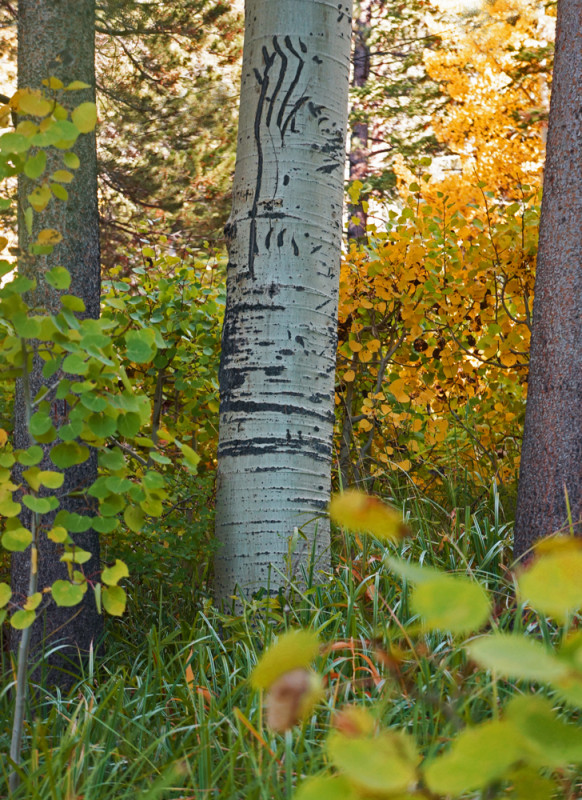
[[168, 713]]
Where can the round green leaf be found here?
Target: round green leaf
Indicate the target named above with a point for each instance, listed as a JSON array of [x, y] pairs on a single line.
[[385, 763], [22, 619], [292, 650], [73, 522], [58, 534], [71, 160], [134, 518], [40, 423], [85, 117], [514, 656], [76, 556], [30, 457], [8, 508], [51, 479], [129, 424], [75, 364], [5, 594], [68, 454], [451, 603], [327, 787], [66, 593], [59, 278], [16, 540], [40, 505], [35, 165], [552, 585], [102, 425], [114, 599], [118, 485], [105, 524], [477, 757], [140, 346]]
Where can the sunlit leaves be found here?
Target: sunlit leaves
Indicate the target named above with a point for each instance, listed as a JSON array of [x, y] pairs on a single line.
[[552, 584], [114, 600], [293, 650], [385, 763], [84, 117], [444, 602], [514, 656], [358, 511], [66, 593]]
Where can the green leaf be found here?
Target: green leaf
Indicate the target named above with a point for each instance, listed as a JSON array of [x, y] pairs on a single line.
[[134, 518], [35, 165], [451, 603], [112, 575], [102, 425], [5, 594], [40, 423], [16, 541], [33, 601], [85, 117], [413, 572], [514, 656], [385, 763], [118, 485], [477, 757], [30, 457], [114, 599], [129, 424], [528, 784], [8, 508], [14, 143], [75, 364], [75, 85], [72, 303], [76, 556], [73, 522], [292, 650], [112, 459], [59, 192], [68, 594], [552, 585], [553, 743], [69, 454], [191, 457], [62, 176], [105, 524], [59, 278], [140, 346], [153, 480], [22, 619], [71, 160], [93, 402], [58, 534], [326, 787], [40, 505]]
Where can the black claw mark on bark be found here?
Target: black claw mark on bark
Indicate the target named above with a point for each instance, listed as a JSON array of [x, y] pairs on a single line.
[[295, 248]]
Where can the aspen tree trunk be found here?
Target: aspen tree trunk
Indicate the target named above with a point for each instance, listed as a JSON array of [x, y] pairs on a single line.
[[57, 39], [551, 460], [279, 337]]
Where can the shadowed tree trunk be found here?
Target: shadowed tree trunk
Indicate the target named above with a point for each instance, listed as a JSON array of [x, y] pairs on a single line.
[[359, 154], [551, 460], [279, 338], [56, 38]]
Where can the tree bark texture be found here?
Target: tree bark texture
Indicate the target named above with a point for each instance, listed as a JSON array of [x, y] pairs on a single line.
[[359, 153], [551, 460], [56, 38], [280, 329]]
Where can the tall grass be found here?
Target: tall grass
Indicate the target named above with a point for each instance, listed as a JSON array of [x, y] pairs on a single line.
[[168, 712]]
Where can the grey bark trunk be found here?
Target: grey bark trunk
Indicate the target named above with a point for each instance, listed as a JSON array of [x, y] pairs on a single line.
[[551, 461], [57, 39], [280, 329]]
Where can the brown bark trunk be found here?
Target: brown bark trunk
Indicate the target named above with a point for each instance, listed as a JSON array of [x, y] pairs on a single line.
[[551, 464]]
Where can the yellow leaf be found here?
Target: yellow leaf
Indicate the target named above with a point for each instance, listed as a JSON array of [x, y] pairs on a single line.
[[354, 192], [397, 389], [354, 346], [49, 236], [349, 376], [3, 437], [28, 101], [292, 650], [374, 345], [85, 117], [358, 511]]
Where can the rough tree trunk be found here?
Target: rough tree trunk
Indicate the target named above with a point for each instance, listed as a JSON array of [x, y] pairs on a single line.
[[551, 460], [57, 39], [279, 338], [359, 153]]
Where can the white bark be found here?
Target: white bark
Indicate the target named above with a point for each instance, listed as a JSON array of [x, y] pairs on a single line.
[[279, 337]]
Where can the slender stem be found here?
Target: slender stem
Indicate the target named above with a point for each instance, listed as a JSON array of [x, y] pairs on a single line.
[[24, 645]]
